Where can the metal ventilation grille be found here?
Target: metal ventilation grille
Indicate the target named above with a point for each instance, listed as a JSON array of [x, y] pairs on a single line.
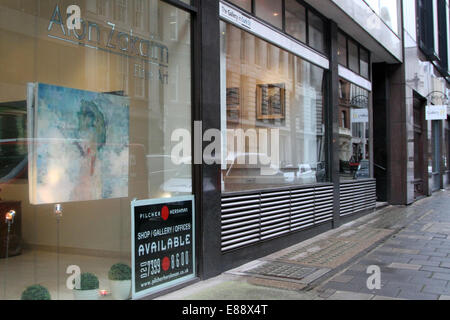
[[357, 196], [251, 218]]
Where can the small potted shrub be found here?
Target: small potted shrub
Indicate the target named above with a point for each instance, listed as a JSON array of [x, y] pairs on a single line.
[[89, 287], [120, 281], [36, 292]]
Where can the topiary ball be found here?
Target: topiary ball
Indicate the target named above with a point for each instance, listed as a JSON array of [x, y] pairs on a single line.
[[88, 281], [119, 272], [36, 292]]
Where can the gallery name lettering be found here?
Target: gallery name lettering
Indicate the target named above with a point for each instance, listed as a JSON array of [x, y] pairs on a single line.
[[164, 245], [123, 42], [156, 214], [235, 16]]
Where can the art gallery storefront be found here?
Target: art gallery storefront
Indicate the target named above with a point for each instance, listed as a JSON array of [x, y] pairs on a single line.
[[86, 117], [310, 112]]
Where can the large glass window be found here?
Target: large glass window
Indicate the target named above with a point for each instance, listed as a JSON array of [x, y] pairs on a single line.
[[353, 132], [295, 20], [86, 118], [270, 11], [273, 113]]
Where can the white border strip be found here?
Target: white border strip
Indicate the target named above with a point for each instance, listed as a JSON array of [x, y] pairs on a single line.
[[242, 20], [349, 75]]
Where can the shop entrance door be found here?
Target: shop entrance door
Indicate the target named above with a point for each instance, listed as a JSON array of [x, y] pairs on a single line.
[[419, 186]]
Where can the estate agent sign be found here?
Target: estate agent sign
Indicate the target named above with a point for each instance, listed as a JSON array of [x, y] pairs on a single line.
[[163, 244]]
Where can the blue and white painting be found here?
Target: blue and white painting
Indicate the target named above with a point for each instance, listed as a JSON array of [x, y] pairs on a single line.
[[81, 145]]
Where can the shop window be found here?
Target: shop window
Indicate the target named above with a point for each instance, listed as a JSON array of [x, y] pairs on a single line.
[[273, 117], [91, 121], [353, 56], [354, 131], [244, 4], [270, 11], [295, 15], [316, 32], [342, 49], [364, 62]]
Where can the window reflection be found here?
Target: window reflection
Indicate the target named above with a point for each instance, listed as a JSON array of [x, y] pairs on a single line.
[[387, 10], [278, 93], [353, 131]]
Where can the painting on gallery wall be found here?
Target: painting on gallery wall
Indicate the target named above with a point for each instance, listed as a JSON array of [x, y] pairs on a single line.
[[79, 149]]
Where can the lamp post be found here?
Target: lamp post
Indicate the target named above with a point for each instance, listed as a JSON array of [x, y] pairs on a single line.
[[9, 220], [58, 210]]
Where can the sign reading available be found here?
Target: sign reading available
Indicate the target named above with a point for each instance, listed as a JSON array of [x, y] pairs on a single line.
[[163, 246]]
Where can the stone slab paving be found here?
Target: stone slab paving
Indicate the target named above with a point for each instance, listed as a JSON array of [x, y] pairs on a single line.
[[414, 262], [410, 245]]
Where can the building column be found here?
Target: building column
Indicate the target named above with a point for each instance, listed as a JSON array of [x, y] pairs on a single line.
[[207, 182], [332, 121]]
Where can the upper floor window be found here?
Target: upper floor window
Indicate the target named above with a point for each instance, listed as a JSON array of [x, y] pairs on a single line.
[[295, 15], [244, 4], [270, 11], [353, 56], [291, 16], [342, 49], [316, 34]]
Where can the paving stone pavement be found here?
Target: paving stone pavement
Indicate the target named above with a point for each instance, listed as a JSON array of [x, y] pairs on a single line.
[[414, 261], [410, 246]]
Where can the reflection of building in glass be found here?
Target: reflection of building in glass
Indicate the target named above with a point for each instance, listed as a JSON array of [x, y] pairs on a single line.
[[353, 128], [275, 90]]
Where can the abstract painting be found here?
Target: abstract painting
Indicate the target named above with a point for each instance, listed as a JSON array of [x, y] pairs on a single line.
[[79, 149]]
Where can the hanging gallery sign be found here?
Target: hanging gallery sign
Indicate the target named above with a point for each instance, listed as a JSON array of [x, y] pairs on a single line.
[[163, 244], [360, 115], [436, 112], [79, 149]]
